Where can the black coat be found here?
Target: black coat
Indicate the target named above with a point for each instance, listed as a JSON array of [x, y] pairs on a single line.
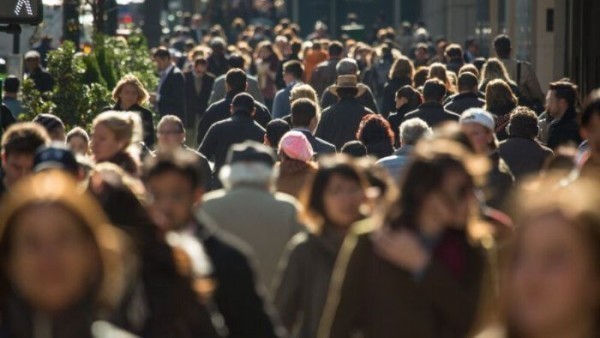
[[196, 103], [463, 101], [564, 130], [220, 111], [6, 119], [395, 119], [339, 123], [380, 149], [223, 134], [367, 99], [320, 147], [42, 79], [324, 75], [147, 118], [236, 295], [433, 113], [172, 95], [389, 94], [524, 156]]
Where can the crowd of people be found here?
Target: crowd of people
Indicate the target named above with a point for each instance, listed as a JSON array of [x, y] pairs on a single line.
[[275, 186]]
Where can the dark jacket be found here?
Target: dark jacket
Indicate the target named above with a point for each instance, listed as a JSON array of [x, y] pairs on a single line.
[[6, 119], [463, 101], [499, 182], [324, 75], [127, 162], [222, 135], [236, 296], [172, 95], [42, 79], [147, 118], [303, 284], [524, 156], [217, 64], [319, 146], [221, 110], [390, 88], [196, 103], [381, 300], [564, 130], [502, 116], [339, 123], [367, 99], [380, 149], [395, 119], [433, 113]]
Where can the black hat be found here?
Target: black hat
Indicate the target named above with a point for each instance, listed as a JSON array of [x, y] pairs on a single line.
[[251, 151], [55, 156]]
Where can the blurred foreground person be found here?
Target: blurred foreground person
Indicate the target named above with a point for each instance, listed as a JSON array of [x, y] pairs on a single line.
[[174, 186], [296, 167], [550, 280], [333, 204], [414, 271], [248, 208], [63, 266], [590, 127]]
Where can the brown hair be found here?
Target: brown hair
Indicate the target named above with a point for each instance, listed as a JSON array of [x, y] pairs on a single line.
[[132, 80], [402, 68], [494, 69], [438, 70], [498, 95], [24, 138]]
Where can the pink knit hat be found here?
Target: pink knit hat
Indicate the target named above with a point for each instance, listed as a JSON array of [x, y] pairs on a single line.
[[296, 146]]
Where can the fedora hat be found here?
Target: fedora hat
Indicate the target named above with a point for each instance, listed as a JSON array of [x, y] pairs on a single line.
[[348, 81]]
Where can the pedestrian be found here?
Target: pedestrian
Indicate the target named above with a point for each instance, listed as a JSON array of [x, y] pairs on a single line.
[[219, 88], [479, 125], [355, 149], [42, 80], [407, 100], [169, 98], [325, 73], [561, 102], [275, 131], [375, 133], [410, 132], [217, 61], [53, 125], [305, 117], [332, 206], [267, 63], [365, 97], [394, 275], [312, 58], [10, 96], [500, 101], [432, 111], [454, 57], [19, 145], [296, 166], [523, 153], [198, 86], [115, 139], [440, 72], [262, 219], [292, 76], [174, 182], [493, 69], [471, 49], [590, 126], [78, 141], [130, 95], [401, 74], [468, 95]]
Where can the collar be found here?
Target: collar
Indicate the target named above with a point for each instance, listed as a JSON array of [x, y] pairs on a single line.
[[302, 129], [294, 83], [168, 70], [431, 104], [404, 150]]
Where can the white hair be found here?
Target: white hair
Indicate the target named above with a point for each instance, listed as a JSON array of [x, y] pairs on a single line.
[[412, 130], [255, 174]]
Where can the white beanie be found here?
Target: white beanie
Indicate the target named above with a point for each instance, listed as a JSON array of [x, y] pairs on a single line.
[[479, 116]]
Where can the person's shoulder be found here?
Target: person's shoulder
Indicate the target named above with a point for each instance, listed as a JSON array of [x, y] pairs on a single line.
[[286, 201], [216, 106], [387, 160], [260, 105]]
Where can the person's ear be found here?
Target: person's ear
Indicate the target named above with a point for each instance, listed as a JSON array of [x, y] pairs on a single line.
[[313, 123], [231, 111], [266, 140], [253, 112]]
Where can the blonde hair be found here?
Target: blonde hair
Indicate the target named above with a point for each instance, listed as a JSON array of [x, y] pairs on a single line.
[[498, 94], [126, 126], [438, 71], [131, 79], [494, 69], [402, 67], [305, 91]]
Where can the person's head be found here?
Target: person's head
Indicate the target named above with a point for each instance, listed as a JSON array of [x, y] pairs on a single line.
[[335, 195], [562, 96], [130, 91], [235, 60], [162, 58], [421, 52], [502, 46], [174, 183], [467, 83], [469, 68], [275, 130], [590, 121], [412, 130], [79, 141], [439, 71], [32, 60], [113, 133], [305, 91], [552, 270], [479, 126], [249, 164], [421, 75], [265, 50], [347, 66], [355, 149], [494, 69], [440, 46], [336, 49], [170, 133], [472, 45], [436, 191], [523, 123], [402, 68], [53, 125], [19, 145], [293, 71], [10, 86], [346, 87], [374, 128], [217, 44], [454, 53], [304, 114], [295, 146], [498, 95], [434, 90], [408, 98], [236, 81], [243, 103], [58, 250], [200, 66]]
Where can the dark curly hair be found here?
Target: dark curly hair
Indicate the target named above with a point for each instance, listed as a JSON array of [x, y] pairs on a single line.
[[374, 128]]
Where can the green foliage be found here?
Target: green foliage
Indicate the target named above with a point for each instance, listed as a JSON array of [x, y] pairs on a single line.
[[33, 101]]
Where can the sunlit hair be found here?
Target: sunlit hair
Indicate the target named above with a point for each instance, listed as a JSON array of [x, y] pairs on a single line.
[[126, 126], [305, 91], [374, 128], [253, 174], [498, 94], [438, 71], [402, 68], [494, 69], [54, 188], [132, 80]]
